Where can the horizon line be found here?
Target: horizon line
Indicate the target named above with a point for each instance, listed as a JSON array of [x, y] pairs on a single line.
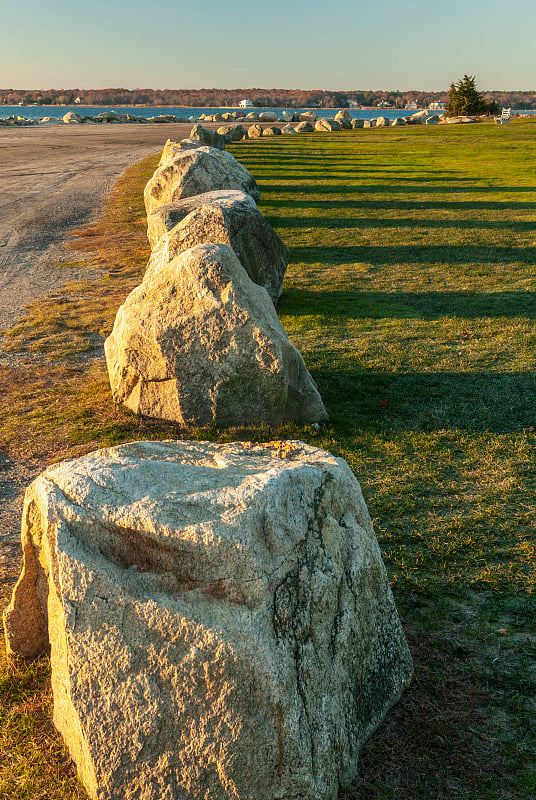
[[237, 89]]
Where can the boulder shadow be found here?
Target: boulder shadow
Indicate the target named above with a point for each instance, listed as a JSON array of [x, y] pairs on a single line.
[[499, 402], [408, 305], [415, 254]]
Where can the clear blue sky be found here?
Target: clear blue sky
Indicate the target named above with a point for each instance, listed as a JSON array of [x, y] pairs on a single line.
[[328, 44]]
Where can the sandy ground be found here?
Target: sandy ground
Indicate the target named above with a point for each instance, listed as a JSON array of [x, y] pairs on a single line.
[[51, 180]]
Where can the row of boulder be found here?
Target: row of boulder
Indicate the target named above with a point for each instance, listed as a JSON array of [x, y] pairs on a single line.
[[341, 120], [199, 342], [219, 619], [73, 117]]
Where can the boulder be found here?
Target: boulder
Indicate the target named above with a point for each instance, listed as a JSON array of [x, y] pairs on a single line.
[[254, 131], [308, 116], [398, 122], [344, 113], [304, 127], [172, 149], [287, 115], [383, 122], [72, 117], [209, 137], [50, 121], [227, 217], [433, 119], [192, 172], [252, 115], [236, 132], [358, 123], [326, 124], [460, 120], [271, 130], [418, 118], [228, 117], [165, 118], [288, 129], [199, 343], [108, 116], [219, 617], [267, 116], [345, 124], [370, 123]]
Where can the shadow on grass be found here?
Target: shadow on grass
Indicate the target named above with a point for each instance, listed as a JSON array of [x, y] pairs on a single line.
[[382, 188], [332, 223], [414, 254], [408, 305], [481, 401], [396, 205], [432, 726]]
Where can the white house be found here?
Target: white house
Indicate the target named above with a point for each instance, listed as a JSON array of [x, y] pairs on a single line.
[[438, 106], [246, 104], [412, 105], [78, 100]]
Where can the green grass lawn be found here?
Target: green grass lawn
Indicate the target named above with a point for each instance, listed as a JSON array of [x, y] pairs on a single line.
[[411, 296]]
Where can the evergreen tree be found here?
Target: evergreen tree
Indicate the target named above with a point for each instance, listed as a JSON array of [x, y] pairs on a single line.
[[466, 100]]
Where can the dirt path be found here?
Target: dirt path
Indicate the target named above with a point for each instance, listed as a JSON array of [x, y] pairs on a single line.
[[51, 180]]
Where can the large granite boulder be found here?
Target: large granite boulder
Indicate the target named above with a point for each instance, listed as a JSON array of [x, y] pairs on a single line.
[[308, 116], [230, 218], [220, 620], [344, 113], [210, 137], [199, 343], [197, 171], [271, 130], [327, 124], [460, 120], [268, 116], [419, 118], [236, 132], [173, 148], [383, 122], [358, 123], [304, 127], [255, 131], [71, 117]]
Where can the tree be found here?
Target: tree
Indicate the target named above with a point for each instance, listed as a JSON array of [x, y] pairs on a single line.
[[465, 99]]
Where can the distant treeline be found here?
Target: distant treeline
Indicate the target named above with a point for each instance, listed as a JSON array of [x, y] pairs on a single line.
[[279, 98]]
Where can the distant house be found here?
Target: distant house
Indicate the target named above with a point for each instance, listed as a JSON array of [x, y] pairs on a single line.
[[412, 105], [353, 104], [438, 106], [246, 104], [78, 100]]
